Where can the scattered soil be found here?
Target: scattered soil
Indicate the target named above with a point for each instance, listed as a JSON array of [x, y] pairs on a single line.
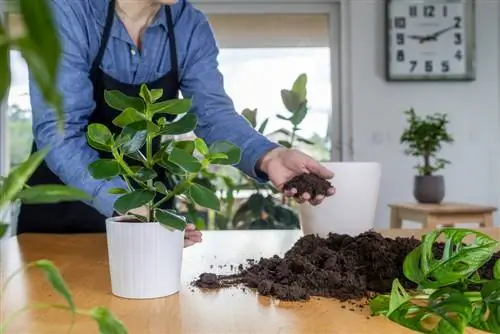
[[312, 184], [339, 266]]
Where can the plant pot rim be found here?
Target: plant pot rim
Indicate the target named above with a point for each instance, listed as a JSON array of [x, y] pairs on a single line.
[[126, 219]]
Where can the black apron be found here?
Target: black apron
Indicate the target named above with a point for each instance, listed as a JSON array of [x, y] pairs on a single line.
[[78, 217]]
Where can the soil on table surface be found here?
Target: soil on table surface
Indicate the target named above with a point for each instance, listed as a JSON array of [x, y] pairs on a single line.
[[312, 184], [339, 266]]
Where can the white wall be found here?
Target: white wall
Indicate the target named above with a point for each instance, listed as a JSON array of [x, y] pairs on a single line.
[[473, 108]]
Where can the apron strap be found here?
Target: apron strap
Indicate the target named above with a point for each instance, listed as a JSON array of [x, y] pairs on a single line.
[[173, 48], [105, 37]]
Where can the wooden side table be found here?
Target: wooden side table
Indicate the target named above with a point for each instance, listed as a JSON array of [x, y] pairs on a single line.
[[446, 214]]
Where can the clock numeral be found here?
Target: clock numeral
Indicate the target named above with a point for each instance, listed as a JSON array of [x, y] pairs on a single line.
[[413, 65], [400, 56], [458, 39], [429, 11], [413, 11], [400, 22], [458, 21], [459, 55], [400, 39], [428, 66], [445, 66], [445, 11]]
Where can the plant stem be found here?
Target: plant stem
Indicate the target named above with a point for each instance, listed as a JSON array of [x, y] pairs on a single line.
[[176, 191], [130, 188], [472, 296], [11, 318]]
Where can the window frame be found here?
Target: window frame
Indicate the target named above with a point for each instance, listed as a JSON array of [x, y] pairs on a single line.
[[340, 124]]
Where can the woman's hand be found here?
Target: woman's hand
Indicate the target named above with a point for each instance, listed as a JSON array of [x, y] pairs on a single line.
[[191, 235], [283, 164]]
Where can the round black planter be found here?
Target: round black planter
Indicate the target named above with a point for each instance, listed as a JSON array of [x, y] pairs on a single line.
[[429, 189]]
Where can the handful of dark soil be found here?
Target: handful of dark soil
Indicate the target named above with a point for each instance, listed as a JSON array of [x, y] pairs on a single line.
[[340, 267], [312, 184]]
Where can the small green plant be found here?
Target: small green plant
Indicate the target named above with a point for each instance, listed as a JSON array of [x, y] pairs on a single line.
[[451, 295], [40, 48], [142, 120], [424, 137]]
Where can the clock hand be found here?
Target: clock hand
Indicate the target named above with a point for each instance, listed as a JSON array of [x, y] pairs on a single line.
[[417, 37], [435, 35]]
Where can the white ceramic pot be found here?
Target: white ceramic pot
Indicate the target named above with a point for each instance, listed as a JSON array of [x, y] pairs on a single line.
[[353, 208], [145, 259]]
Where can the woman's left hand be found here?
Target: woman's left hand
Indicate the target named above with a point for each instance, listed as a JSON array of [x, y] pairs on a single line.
[[191, 235], [283, 164]]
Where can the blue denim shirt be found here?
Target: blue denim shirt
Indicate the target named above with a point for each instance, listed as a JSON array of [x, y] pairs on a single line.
[[80, 24]]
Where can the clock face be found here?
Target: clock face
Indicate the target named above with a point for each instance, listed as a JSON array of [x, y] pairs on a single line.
[[429, 39]]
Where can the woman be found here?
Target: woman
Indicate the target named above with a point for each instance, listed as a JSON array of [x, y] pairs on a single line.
[[119, 45]]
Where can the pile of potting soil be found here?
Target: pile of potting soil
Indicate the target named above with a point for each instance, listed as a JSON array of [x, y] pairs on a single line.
[[340, 267]]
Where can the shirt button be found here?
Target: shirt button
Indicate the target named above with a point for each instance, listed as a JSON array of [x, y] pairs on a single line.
[[132, 51]]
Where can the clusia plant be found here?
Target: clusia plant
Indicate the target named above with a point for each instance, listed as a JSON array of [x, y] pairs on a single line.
[[145, 250]]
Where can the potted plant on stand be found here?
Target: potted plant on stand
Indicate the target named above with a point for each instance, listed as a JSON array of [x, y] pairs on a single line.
[[145, 251], [424, 137]]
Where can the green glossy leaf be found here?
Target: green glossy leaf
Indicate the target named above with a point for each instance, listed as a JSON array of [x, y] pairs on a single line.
[[170, 218], [100, 134], [160, 187], [216, 156], [250, 116], [201, 146], [283, 117], [41, 49], [119, 101], [56, 281], [300, 87], [496, 270], [145, 174], [232, 151], [290, 99], [145, 94], [117, 191], [42, 75], [51, 193], [172, 107], [299, 115], [204, 197], [133, 200], [104, 169], [285, 143], [303, 140], [6, 76], [19, 175], [133, 137], [459, 260], [380, 305], [486, 313], [184, 125], [3, 229], [185, 145], [449, 310], [128, 116], [107, 322], [184, 160], [263, 126], [156, 94]]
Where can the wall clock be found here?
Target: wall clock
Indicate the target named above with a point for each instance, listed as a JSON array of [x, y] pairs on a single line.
[[430, 40]]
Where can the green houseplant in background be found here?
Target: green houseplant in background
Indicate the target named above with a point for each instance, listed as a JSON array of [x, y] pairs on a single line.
[[40, 48], [424, 138], [145, 250], [266, 212]]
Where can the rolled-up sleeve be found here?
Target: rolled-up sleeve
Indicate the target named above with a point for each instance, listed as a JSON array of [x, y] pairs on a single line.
[[217, 118], [70, 154]]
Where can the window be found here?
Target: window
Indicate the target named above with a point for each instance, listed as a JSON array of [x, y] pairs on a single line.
[[260, 54]]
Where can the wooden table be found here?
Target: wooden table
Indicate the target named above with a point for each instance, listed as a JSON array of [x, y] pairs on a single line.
[[445, 214], [82, 261]]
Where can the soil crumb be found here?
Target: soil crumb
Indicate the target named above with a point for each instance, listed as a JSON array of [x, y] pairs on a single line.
[[308, 183], [340, 266]]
